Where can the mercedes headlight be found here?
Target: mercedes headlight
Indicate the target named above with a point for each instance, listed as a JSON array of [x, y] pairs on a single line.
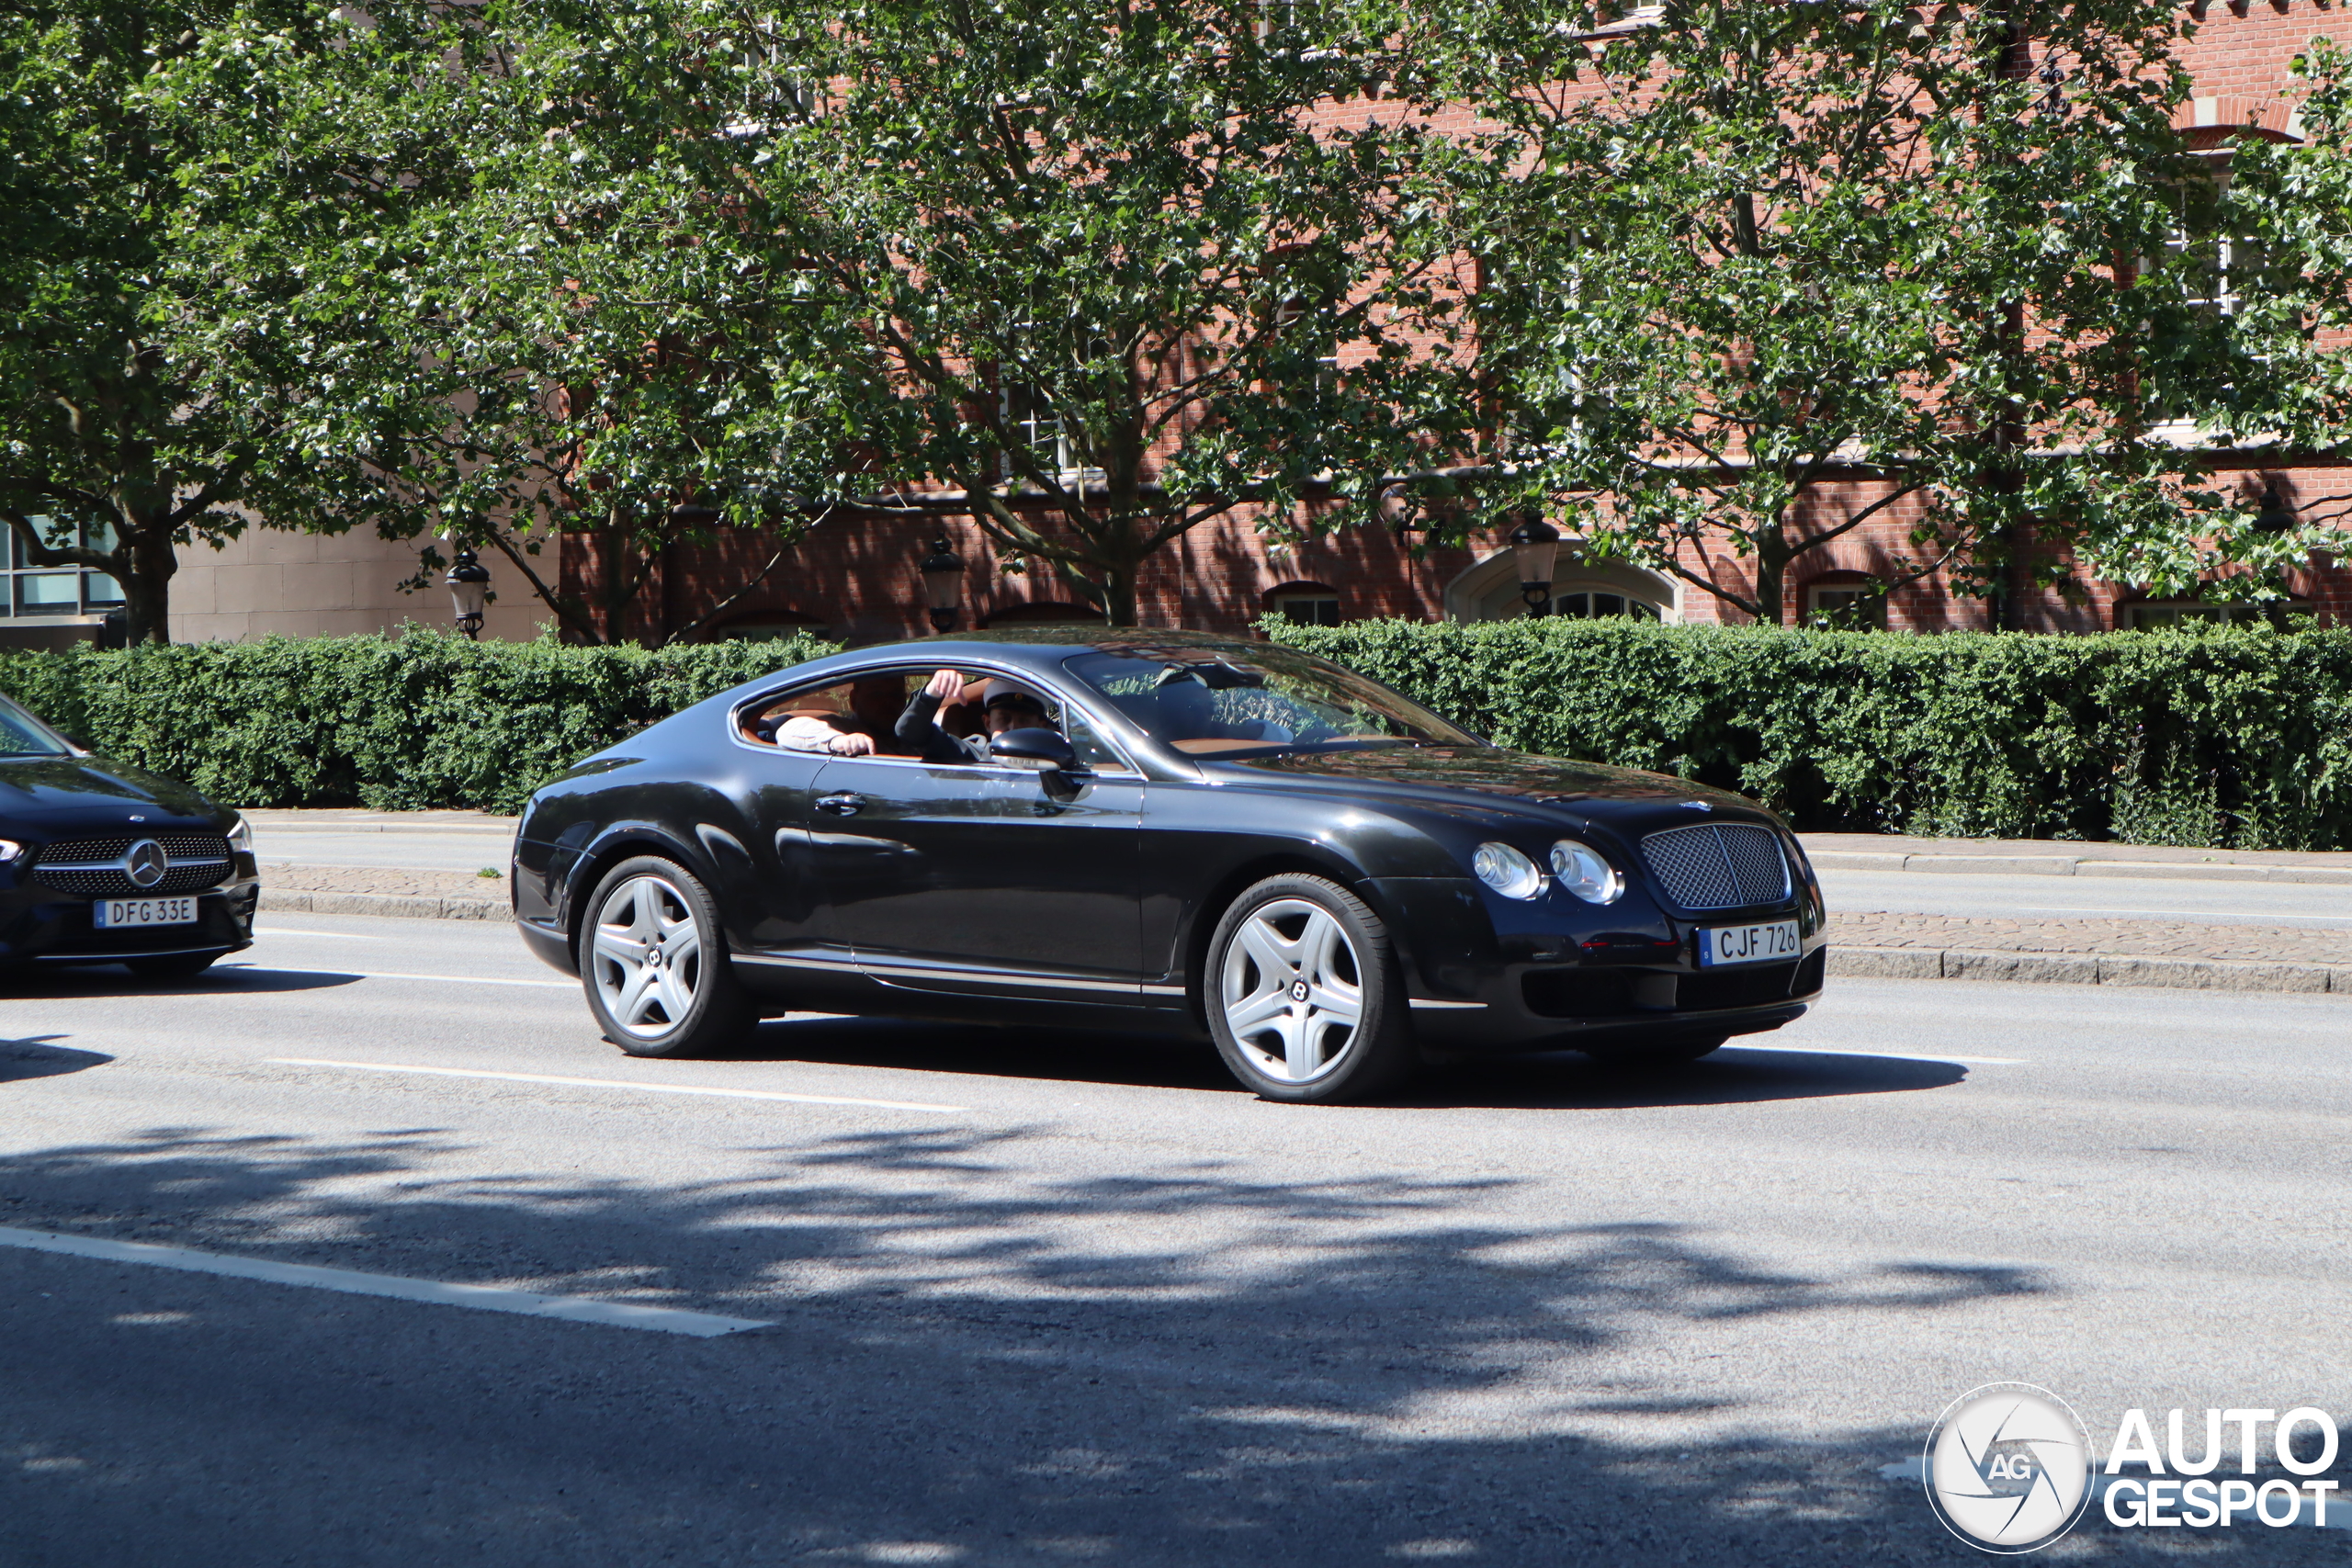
[[1583, 872], [9, 849], [241, 836], [1507, 871]]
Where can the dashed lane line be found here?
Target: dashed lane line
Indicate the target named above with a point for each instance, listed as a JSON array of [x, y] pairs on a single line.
[[618, 1083], [432, 1292]]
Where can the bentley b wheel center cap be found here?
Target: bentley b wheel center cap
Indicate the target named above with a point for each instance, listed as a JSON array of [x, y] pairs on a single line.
[[1298, 990]]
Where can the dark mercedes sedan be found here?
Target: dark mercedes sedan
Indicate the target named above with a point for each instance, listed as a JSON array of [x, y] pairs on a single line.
[[107, 864], [1159, 831]]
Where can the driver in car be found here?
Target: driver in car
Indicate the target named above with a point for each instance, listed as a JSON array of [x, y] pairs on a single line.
[[1003, 706]]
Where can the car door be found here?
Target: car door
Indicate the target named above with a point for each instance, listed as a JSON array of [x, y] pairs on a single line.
[[792, 915], [973, 878]]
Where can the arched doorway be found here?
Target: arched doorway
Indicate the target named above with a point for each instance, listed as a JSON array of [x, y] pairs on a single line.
[[1489, 590]]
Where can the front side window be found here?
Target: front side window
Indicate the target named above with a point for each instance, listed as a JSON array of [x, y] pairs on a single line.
[[1255, 698]]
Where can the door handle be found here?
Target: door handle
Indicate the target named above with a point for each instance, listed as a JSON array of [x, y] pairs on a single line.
[[840, 804]]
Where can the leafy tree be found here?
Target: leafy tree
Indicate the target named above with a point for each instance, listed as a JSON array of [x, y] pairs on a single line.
[[1767, 272], [529, 314], [131, 420], [1108, 272]]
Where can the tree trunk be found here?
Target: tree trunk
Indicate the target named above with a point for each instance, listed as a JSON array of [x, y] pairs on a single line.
[[1119, 594], [149, 563], [1772, 578]]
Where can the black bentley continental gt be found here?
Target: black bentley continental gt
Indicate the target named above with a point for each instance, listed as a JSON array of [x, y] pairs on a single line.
[[104, 864], [1159, 831]]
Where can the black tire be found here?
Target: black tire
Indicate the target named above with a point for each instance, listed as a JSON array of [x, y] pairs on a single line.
[[1662, 1054], [685, 1003], [171, 965], [1317, 1064]]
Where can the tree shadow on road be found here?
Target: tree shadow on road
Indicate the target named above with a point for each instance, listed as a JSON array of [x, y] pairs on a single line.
[[977, 1357]]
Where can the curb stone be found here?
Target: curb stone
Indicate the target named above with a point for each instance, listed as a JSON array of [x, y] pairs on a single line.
[[300, 900], [2077, 865], [2085, 969]]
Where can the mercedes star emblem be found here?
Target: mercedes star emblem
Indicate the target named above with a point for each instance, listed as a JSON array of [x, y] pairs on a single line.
[[145, 864]]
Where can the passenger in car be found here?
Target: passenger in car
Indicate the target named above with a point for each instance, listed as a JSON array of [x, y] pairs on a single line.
[[1003, 706], [811, 723]]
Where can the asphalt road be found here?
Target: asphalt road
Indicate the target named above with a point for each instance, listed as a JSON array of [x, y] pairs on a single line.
[[2313, 905], [1076, 1299]]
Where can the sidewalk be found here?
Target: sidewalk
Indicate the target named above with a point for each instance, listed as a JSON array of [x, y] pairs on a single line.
[[2048, 857], [304, 857]]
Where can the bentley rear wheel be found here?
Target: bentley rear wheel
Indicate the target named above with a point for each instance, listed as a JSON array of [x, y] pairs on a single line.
[[654, 962], [1303, 994]]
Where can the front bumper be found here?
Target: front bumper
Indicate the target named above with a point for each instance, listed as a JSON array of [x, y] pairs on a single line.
[[38, 925], [1540, 1006], [1494, 974]]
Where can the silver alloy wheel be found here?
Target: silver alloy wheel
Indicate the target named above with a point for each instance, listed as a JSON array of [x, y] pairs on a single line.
[[646, 956], [1292, 990]]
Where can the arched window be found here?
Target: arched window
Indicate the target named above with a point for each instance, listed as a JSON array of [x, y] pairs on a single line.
[[1846, 601], [1489, 590], [1308, 604]]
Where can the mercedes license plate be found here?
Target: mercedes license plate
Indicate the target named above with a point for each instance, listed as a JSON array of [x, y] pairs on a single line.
[[111, 913], [1747, 944]]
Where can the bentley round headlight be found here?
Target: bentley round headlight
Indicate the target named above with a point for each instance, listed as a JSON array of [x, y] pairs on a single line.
[[1507, 871], [1583, 872]]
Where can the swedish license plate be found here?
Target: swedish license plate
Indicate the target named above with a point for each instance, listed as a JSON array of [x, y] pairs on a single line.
[[111, 913], [1747, 944]]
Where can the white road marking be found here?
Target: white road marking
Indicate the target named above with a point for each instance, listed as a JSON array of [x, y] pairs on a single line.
[[618, 1083], [433, 1293], [339, 936], [390, 975], [1888, 1055]]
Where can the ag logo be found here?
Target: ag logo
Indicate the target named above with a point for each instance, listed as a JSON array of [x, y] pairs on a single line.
[[2009, 1468], [144, 863]]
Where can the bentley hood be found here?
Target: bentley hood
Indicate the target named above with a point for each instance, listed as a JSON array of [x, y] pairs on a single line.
[[1585, 788]]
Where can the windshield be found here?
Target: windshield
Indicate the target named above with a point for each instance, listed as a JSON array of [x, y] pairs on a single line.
[[22, 735], [1255, 699]]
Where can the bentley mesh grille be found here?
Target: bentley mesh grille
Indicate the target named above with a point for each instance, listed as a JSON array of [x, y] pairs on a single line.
[[1715, 865], [87, 866]]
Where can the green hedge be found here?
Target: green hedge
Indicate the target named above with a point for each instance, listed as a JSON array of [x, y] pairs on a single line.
[[427, 720], [2230, 737], [2235, 737]]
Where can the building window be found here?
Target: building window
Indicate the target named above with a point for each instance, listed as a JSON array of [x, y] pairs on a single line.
[[35, 590], [1041, 612], [775, 626], [1847, 602], [1601, 603], [1307, 604], [2166, 615]]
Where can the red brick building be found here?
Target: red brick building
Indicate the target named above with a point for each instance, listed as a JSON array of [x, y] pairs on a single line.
[[856, 578]]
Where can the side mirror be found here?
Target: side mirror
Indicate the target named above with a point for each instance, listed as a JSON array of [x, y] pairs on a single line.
[[1047, 751]]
